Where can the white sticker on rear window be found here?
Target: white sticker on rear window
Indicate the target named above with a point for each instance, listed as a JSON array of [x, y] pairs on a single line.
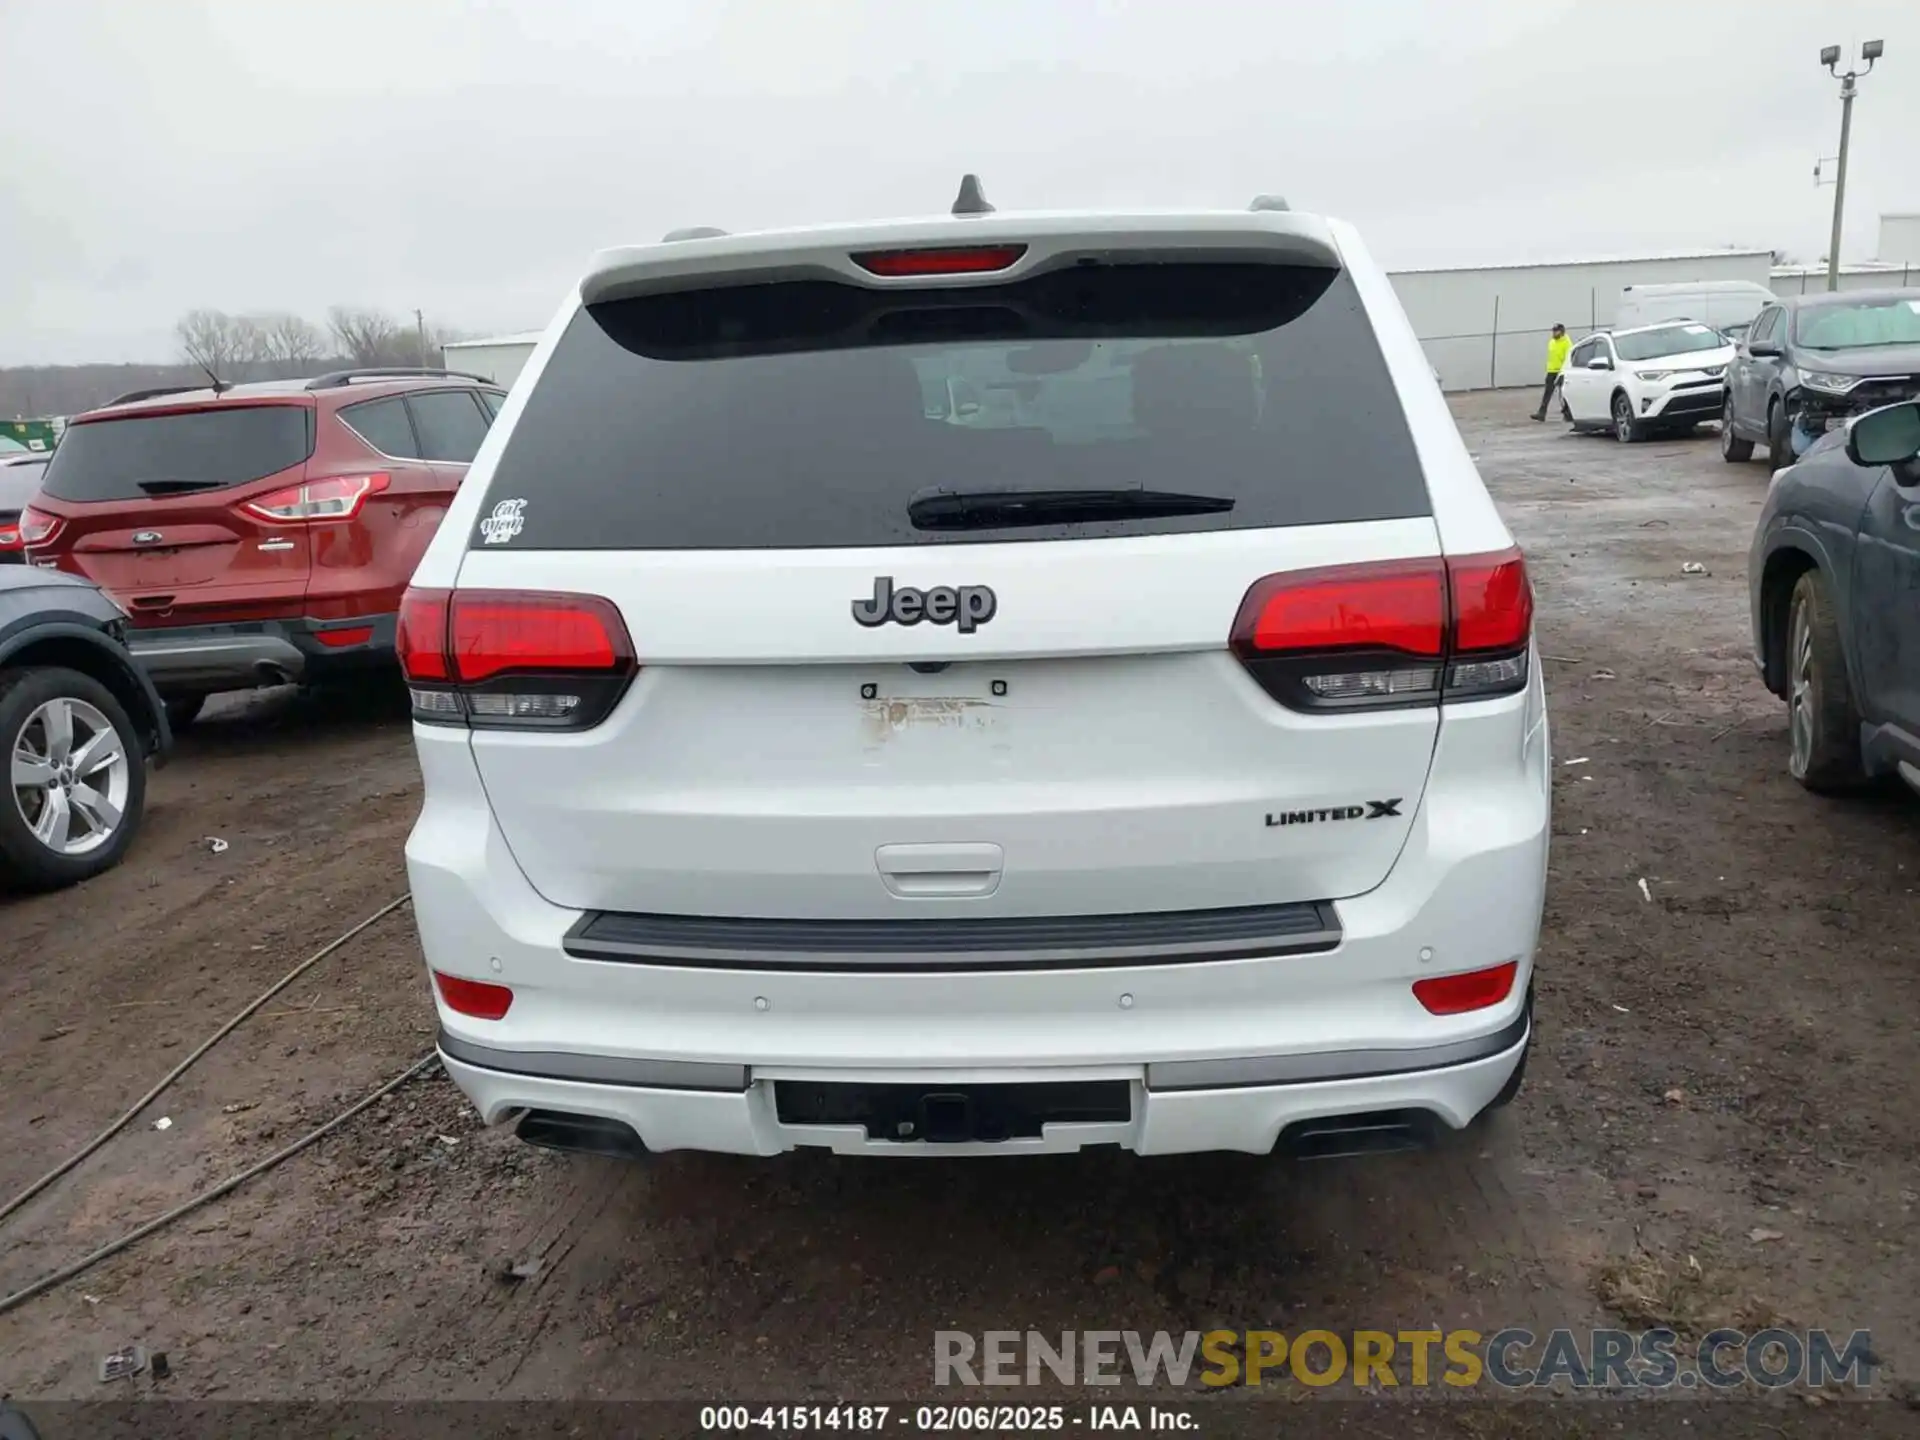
[[507, 520]]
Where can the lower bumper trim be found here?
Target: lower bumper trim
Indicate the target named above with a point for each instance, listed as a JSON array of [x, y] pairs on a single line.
[[597, 1069], [1324, 1065]]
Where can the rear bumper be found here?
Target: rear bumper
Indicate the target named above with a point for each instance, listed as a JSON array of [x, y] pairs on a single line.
[[1222, 1051], [744, 1119], [245, 655]]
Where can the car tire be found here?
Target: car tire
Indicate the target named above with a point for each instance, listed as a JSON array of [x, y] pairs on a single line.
[[1779, 437], [183, 710], [1823, 726], [1626, 429], [36, 705], [1733, 449]]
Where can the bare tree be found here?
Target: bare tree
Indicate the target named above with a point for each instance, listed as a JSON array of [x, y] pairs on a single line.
[[251, 347], [369, 337], [208, 338], [293, 339]]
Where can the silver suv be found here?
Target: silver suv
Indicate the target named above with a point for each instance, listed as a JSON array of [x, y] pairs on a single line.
[[1000, 683]]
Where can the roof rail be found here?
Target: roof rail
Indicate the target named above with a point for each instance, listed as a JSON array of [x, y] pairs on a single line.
[[335, 379], [692, 232], [155, 392], [1269, 202], [972, 200]]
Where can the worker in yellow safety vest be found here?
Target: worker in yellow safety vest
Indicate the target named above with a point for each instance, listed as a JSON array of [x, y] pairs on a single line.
[[1559, 345]]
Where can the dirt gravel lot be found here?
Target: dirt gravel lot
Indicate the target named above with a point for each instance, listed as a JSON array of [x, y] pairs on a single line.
[[1715, 1127]]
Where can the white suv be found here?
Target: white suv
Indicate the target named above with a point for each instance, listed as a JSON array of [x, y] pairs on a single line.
[[1647, 380], [982, 685]]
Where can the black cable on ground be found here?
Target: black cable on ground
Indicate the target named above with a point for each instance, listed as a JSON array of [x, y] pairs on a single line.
[[87, 1262], [174, 1074]]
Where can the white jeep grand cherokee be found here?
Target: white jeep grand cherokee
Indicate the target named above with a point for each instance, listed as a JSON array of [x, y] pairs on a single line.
[[993, 684]]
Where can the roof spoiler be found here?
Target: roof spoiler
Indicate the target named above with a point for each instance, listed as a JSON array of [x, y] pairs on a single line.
[[336, 379], [154, 393]]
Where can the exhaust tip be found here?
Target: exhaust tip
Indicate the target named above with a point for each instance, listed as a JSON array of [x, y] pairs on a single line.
[[580, 1134], [1370, 1132]]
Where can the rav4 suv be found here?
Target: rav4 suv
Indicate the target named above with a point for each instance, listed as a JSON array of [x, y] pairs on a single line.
[[1654, 379], [259, 534], [989, 684]]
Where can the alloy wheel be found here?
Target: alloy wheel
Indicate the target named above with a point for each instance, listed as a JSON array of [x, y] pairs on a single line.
[[1800, 693], [70, 772]]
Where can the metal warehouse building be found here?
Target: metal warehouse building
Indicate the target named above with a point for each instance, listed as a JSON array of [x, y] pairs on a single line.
[[498, 358], [1488, 327]]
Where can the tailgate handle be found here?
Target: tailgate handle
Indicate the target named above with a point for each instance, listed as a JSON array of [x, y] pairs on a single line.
[[925, 872]]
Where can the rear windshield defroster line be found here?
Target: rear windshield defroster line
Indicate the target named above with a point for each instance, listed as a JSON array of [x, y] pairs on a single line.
[[814, 414], [136, 456]]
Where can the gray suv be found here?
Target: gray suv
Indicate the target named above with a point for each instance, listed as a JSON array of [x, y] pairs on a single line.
[[1811, 361]]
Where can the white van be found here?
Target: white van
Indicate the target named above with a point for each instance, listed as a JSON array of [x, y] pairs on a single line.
[[1728, 305]]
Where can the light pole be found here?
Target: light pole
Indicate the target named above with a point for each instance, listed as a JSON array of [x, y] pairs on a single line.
[[1830, 57]]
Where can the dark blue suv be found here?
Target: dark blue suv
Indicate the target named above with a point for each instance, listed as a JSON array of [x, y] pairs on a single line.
[[1835, 578]]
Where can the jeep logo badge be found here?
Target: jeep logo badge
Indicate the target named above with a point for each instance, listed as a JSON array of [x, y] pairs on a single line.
[[968, 606]]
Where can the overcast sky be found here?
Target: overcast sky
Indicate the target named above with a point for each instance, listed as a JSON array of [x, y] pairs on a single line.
[[465, 156]]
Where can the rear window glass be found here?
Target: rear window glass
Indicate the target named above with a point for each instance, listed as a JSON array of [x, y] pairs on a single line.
[[147, 455], [815, 414]]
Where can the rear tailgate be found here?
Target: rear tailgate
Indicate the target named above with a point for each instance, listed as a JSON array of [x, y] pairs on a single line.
[[151, 503], [866, 692]]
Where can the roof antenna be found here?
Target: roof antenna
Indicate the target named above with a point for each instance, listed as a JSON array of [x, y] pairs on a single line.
[[972, 199], [218, 383], [1269, 202]]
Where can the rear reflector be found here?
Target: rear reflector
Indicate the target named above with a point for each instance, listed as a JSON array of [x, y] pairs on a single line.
[[337, 498], [10, 537], [477, 998], [341, 639], [506, 658], [1388, 634], [1475, 990], [962, 260]]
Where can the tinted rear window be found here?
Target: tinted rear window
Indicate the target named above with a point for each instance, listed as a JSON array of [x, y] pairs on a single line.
[[110, 459], [815, 414]]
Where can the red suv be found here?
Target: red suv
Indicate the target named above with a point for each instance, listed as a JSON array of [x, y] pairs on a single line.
[[259, 534]]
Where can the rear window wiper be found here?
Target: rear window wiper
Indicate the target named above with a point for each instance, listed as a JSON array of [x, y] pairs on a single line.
[[997, 509], [176, 487]]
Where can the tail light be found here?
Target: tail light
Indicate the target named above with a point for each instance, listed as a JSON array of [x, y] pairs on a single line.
[[1395, 633], [949, 260], [513, 659], [336, 498], [10, 537], [480, 999], [37, 527], [1475, 990]]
